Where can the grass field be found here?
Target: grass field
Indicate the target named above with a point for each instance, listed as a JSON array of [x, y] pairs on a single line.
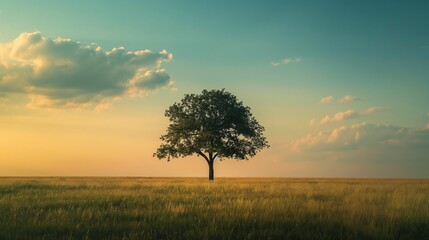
[[192, 208]]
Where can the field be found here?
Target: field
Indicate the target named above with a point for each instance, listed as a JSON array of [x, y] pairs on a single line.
[[229, 208]]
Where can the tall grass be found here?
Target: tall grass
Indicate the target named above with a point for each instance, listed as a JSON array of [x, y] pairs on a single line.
[[192, 208]]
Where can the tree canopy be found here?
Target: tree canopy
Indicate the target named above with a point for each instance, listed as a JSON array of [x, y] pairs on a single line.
[[214, 125]]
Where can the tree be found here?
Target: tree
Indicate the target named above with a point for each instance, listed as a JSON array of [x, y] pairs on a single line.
[[213, 125]]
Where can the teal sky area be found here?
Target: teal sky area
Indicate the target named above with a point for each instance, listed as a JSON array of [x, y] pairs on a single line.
[[369, 60]]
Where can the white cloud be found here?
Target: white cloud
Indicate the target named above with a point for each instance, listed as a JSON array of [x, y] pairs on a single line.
[[349, 98], [373, 110], [365, 150], [337, 117], [65, 73], [286, 61], [344, 99], [364, 136], [327, 99], [348, 114]]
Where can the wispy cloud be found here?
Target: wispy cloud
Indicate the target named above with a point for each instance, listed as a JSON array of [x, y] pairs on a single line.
[[348, 114], [337, 117], [373, 110], [363, 135], [327, 99], [349, 98], [65, 73], [286, 61], [344, 99]]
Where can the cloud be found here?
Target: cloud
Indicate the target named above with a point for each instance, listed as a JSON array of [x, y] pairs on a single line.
[[65, 73], [349, 98], [348, 114], [286, 61], [340, 116], [337, 117], [373, 110], [364, 135], [344, 99], [146, 80], [327, 99]]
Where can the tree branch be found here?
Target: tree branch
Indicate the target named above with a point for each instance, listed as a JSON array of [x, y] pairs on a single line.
[[204, 156]]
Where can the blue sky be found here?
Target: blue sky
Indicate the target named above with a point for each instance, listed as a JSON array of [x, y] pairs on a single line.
[[377, 52]]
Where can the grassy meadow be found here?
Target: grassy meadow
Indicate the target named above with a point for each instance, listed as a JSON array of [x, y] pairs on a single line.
[[229, 208]]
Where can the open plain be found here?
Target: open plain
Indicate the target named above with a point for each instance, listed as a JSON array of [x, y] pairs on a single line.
[[228, 208]]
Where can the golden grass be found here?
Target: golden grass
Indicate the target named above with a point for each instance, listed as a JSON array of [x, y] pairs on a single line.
[[229, 208]]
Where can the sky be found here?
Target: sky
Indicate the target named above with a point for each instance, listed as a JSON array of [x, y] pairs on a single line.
[[341, 87]]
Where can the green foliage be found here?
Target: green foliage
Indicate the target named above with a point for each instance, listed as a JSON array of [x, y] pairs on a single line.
[[213, 124], [187, 208]]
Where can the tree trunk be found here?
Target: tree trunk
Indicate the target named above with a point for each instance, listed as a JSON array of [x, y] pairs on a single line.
[[211, 170]]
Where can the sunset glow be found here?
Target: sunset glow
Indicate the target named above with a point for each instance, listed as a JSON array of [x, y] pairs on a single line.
[[341, 90]]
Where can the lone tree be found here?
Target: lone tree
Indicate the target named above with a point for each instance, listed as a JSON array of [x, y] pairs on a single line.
[[214, 125]]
